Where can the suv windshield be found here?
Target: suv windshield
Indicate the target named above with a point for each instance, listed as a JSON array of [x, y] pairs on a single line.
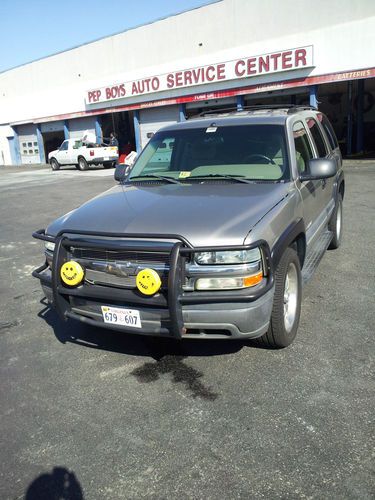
[[253, 152]]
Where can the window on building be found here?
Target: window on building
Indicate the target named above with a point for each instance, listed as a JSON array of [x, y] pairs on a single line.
[[30, 148], [318, 137], [303, 147]]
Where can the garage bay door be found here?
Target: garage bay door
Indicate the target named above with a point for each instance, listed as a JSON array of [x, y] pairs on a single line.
[[28, 143], [151, 120], [80, 125]]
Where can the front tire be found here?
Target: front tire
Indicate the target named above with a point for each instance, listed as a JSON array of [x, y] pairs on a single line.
[[82, 164], [286, 308], [335, 224], [55, 165]]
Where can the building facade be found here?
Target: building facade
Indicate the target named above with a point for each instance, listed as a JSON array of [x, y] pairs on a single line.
[[229, 53]]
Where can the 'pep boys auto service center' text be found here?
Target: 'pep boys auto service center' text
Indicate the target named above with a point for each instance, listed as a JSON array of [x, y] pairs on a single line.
[[229, 53]]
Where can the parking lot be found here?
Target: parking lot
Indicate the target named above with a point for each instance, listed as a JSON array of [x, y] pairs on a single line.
[[104, 415]]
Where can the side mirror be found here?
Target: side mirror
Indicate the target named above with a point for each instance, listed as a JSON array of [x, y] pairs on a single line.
[[121, 171], [320, 168]]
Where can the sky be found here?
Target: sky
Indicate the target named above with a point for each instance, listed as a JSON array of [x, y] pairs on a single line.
[[31, 29]]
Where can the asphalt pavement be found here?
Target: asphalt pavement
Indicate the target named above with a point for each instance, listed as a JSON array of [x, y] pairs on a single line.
[[94, 414]]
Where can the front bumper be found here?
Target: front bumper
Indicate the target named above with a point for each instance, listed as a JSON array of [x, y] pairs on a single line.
[[174, 313]]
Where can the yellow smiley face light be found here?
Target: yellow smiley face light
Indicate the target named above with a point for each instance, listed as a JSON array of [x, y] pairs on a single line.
[[72, 273], [148, 281]]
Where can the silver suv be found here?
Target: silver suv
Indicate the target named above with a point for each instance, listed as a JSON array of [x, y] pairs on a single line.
[[212, 234]]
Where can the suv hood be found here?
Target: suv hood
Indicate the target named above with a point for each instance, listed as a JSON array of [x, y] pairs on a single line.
[[205, 214]]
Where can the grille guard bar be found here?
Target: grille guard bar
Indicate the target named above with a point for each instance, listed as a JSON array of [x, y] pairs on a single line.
[[180, 250]]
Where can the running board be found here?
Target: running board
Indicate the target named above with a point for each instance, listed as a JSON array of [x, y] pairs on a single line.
[[314, 256]]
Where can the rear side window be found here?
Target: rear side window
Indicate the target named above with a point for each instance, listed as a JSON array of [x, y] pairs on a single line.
[[318, 137], [328, 130], [303, 147]]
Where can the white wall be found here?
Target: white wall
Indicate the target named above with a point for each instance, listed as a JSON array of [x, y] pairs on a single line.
[[341, 31], [5, 157]]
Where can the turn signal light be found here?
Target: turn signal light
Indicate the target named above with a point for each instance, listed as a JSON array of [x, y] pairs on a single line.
[[252, 280]]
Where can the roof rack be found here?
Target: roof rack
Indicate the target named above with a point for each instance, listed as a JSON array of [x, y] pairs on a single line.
[[291, 108]]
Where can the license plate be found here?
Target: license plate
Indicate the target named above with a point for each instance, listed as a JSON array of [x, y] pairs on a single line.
[[106, 158], [120, 316]]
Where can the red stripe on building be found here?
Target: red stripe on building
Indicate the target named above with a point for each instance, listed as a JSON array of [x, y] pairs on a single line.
[[218, 94]]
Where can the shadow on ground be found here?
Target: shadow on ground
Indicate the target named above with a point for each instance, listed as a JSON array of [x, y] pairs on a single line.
[[59, 484], [167, 355], [136, 345]]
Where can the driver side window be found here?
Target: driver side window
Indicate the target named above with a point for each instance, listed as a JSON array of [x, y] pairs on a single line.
[[64, 146], [303, 147]]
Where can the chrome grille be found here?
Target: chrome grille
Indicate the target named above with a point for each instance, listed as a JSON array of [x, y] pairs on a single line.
[[119, 255], [118, 268], [101, 278]]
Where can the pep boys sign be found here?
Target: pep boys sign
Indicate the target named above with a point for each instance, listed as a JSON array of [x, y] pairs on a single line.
[[260, 65]]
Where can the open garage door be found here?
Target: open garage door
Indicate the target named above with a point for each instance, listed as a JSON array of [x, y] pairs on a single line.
[[53, 136]]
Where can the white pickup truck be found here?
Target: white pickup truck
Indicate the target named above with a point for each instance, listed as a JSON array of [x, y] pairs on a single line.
[[75, 152]]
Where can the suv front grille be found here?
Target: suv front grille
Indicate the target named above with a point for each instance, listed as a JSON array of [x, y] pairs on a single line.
[[118, 268], [135, 257]]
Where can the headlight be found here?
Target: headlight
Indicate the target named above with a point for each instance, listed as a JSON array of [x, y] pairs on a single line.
[[49, 246], [228, 257]]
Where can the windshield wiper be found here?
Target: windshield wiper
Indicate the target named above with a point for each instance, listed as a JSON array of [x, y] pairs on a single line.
[[237, 178], [154, 176]]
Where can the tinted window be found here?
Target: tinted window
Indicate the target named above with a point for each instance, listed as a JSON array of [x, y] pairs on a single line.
[[318, 137], [161, 158], [64, 146], [303, 147], [250, 151], [329, 131]]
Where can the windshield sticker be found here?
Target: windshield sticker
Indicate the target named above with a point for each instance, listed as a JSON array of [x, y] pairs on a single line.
[[211, 129], [183, 174]]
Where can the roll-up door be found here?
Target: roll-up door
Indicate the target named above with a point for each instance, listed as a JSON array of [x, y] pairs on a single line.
[[151, 120], [28, 143], [78, 126]]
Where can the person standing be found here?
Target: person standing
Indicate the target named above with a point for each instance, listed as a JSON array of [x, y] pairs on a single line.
[[113, 139]]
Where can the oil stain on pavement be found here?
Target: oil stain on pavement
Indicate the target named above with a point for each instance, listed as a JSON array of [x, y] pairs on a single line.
[[180, 372]]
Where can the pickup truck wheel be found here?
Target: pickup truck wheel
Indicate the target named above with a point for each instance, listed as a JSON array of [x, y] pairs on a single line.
[[82, 163], [55, 165], [286, 309], [335, 224]]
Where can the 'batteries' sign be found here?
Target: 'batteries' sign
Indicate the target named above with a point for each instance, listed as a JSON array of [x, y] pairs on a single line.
[[275, 62]]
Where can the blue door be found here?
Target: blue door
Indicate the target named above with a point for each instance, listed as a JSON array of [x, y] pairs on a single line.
[[12, 148]]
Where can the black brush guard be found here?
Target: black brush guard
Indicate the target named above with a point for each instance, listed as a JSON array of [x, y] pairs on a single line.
[[176, 297]]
